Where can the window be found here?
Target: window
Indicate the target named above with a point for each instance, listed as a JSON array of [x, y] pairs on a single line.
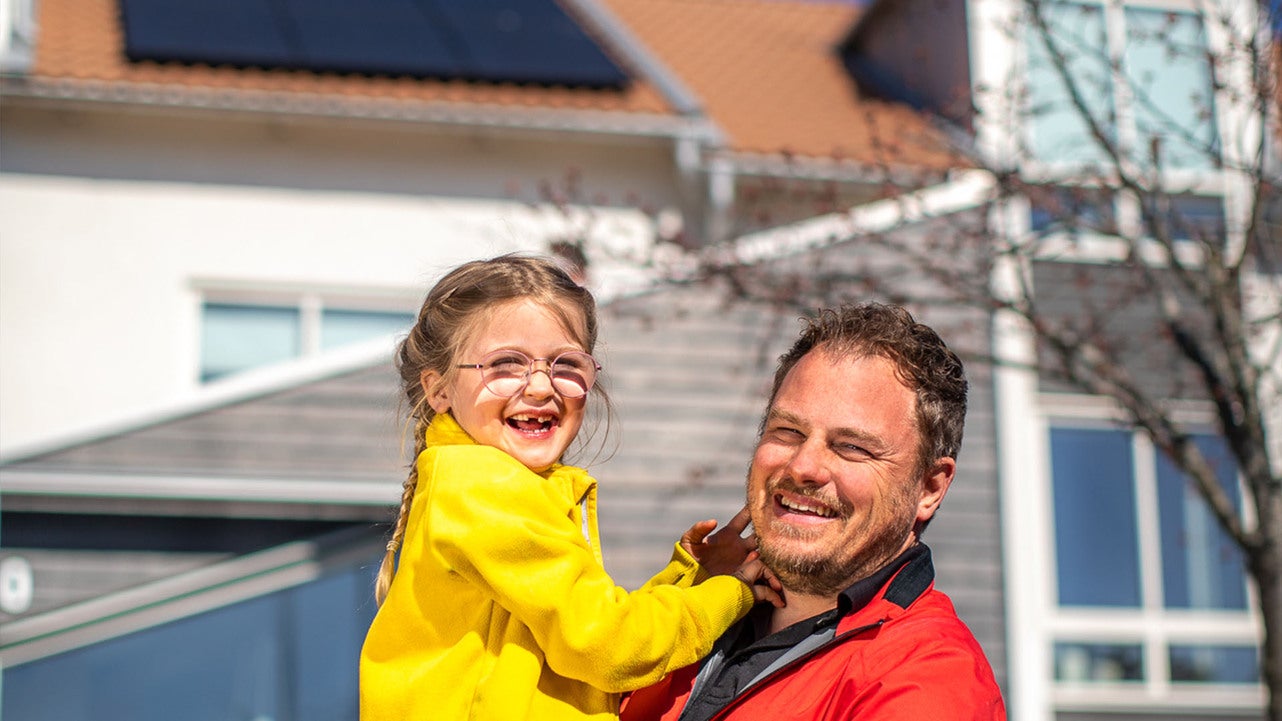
[[1141, 74], [1072, 210], [238, 335], [1150, 594], [1194, 217], [1170, 85], [342, 327], [1098, 540], [17, 34], [1059, 131], [288, 655]]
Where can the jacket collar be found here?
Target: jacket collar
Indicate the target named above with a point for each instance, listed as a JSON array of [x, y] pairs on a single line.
[[891, 589]]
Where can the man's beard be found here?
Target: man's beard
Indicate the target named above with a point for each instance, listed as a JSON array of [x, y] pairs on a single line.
[[826, 571]]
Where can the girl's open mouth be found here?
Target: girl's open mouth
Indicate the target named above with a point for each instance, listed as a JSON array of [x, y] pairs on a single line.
[[532, 424]]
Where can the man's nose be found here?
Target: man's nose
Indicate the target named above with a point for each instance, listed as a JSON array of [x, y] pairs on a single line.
[[809, 462]]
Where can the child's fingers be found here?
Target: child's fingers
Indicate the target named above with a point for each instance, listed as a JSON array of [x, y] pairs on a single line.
[[766, 593], [762, 583], [740, 521], [696, 533]]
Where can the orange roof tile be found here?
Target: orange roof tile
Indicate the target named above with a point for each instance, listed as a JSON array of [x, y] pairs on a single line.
[[82, 40], [766, 71], [770, 76]]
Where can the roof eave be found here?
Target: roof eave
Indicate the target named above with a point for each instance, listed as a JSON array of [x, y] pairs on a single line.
[[140, 97]]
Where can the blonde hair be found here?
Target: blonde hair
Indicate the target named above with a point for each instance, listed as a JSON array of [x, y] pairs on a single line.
[[454, 309]]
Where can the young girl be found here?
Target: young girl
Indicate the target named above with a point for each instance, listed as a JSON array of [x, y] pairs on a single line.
[[499, 607]]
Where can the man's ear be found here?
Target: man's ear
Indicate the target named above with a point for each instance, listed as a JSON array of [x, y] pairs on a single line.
[[434, 391], [934, 487]]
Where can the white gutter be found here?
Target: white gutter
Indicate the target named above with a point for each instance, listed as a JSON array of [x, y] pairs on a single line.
[[967, 190], [144, 97], [24, 482]]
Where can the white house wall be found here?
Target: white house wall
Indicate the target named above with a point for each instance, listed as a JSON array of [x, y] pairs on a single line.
[[112, 225]]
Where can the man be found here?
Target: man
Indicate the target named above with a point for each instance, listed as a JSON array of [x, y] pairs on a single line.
[[857, 450]]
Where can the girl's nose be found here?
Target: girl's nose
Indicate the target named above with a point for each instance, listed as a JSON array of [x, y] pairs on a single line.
[[539, 383]]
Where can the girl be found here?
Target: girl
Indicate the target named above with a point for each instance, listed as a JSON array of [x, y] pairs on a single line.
[[499, 607]]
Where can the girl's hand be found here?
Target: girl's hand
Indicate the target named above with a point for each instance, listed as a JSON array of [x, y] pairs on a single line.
[[764, 585], [725, 551]]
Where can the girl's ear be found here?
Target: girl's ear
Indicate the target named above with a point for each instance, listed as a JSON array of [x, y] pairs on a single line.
[[434, 391]]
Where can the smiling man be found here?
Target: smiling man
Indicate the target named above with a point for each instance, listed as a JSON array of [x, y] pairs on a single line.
[[857, 450]]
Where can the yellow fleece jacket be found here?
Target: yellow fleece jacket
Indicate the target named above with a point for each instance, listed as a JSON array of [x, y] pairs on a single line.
[[501, 609]]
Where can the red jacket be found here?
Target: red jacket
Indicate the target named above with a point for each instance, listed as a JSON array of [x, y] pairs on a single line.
[[905, 656]]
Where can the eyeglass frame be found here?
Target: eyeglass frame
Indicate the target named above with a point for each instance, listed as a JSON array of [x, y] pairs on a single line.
[[530, 370]]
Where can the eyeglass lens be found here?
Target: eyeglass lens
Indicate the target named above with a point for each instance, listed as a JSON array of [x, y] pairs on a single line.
[[506, 372]]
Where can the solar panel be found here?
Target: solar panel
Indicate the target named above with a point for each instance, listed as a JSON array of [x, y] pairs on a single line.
[[232, 32], [528, 41], [522, 41], [379, 37]]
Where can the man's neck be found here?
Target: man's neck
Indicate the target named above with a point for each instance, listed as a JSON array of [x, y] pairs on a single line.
[[799, 607]]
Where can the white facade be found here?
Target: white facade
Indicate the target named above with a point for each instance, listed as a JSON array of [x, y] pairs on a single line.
[[115, 227], [1050, 675]]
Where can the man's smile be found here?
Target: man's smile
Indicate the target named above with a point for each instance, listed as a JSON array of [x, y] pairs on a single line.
[[792, 505]]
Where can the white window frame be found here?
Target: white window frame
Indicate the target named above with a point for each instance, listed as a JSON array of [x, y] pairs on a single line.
[[310, 302], [1233, 120], [1194, 180], [999, 62], [1152, 625], [1036, 621], [17, 34]]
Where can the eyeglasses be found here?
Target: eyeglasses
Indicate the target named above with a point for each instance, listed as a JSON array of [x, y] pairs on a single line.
[[507, 372]]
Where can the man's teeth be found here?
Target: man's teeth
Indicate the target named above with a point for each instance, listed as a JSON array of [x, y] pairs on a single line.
[[807, 508]]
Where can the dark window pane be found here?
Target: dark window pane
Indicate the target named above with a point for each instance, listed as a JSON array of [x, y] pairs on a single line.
[[1098, 662], [1201, 567], [145, 676], [327, 653], [1096, 546], [1197, 217], [1214, 664], [1071, 209], [289, 655]]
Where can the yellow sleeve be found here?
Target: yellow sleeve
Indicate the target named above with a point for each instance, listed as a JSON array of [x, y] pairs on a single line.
[[682, 570], [502, 528]]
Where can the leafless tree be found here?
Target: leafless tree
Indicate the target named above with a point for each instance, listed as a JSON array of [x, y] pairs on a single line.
[[1127, 234]]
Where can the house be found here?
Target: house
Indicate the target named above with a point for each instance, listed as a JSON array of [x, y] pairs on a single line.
[[181, 518]]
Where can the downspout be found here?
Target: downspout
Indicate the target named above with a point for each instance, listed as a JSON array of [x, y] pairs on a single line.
[[705, 204]]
